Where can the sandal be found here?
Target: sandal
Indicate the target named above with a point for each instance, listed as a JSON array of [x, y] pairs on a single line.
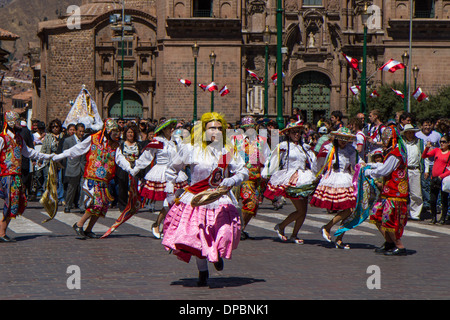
[[340, 245], [280, 235], [297, 240], [325, 234]]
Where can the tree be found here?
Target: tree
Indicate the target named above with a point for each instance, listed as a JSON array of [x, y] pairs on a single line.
[[389, 103]]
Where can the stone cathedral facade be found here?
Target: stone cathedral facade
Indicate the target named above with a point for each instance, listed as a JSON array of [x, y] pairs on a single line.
[[158, 52]]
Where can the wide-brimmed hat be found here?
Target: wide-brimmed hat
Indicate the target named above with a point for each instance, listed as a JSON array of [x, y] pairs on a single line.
[[248, 121], [343, 134], [208, 196], [165, 124], [409, 127], [292, 125]]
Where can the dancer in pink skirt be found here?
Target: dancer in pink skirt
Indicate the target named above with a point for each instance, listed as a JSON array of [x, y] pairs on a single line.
[[211, 231], [335, 190]]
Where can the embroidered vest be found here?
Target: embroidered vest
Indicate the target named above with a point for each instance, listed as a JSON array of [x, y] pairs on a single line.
[[100, 161], [250, 151], [11, 155], [396, 184]]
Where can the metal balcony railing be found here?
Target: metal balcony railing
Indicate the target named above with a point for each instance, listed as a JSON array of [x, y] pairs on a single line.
[[202, 13], [424, 14]]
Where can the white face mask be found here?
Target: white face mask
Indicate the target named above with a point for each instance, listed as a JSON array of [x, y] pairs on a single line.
[[213, 131]]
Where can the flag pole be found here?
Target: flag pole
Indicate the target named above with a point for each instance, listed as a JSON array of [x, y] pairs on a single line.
[[410, 54]]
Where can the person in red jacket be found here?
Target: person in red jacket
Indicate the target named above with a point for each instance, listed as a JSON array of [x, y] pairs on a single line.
[[391, 214], [440, 171]]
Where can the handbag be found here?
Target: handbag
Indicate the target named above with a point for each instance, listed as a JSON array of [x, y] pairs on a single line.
[[446, 184], [446, 181]]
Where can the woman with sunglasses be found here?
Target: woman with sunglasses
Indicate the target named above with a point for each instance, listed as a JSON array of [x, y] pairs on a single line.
[[440, 171], [289, 168]]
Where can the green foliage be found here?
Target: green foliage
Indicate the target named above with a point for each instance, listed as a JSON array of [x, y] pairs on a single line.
[[389, 103]]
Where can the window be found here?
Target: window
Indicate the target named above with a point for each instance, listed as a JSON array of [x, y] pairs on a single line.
[[202, 8], [312, 2], [424, 9], [127, 48]]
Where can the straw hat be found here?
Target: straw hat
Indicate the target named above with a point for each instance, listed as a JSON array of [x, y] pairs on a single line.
[[208, 196], [292, 125], [343, 134], [409, 127]]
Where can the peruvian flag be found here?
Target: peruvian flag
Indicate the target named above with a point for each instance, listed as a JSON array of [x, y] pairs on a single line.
[[224, 91], [374, 94], [274, 78], [399, 93], [355, 89], [202, 86], [212, 86], [254, 75], [392, 66], [186, 82], [352, 61], [419, 95]]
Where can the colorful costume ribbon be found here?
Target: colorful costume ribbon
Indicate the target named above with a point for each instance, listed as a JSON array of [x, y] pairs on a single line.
[[50, 197], [367, 195]]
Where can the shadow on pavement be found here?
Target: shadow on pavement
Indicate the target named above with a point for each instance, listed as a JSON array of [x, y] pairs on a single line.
[[218, 282]]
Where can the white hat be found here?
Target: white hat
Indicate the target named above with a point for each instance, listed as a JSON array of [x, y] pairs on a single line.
[[409, 127], [323, 130]]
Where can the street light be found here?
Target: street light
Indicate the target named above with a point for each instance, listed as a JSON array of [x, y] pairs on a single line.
[[195, 50], [415, 71], [364, 17], [212, 59], [405, 60], [266, 39], [279, 20]]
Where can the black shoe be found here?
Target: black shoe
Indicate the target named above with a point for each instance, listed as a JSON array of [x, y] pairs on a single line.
[[91, 235], [79, 231], [66, 210], [433, 220], [219, 265], [385, 247], [203, 278], [396, 252], [5, 238], [244, 235]]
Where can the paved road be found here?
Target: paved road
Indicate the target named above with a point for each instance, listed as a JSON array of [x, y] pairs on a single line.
[[132, 264]]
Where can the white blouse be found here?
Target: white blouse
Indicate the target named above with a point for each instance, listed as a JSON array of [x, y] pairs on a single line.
[[202, 163]]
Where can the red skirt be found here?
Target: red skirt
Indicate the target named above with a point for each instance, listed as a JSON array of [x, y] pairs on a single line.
[[154, 190], [392, 215]]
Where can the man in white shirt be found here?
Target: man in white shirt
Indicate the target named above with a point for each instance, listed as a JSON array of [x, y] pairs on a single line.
[[427, 134], [416, 165]]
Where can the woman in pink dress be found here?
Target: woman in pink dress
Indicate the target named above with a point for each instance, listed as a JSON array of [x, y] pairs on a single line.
[[209, 232]]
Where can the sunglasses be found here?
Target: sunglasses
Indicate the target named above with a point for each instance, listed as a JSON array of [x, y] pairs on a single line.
[[443, 141]]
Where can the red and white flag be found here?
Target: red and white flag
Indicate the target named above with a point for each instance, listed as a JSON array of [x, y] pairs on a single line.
[[352, 61], [224, 91], [203, 86], [392, 66], [355, 89], [212, 86], [186, 82], [419, 95], [399, 93], [254, 75], [374, 94], [274, 77]]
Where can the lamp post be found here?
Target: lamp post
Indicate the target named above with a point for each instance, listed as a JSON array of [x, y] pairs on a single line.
[[405, 60], [121, 82], [415, 71], [280, 119], [212, 59], [195, 50], [266, 39], [363, 107]]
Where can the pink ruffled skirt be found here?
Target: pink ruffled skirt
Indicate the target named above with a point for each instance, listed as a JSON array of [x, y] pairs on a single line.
[[201, 232]]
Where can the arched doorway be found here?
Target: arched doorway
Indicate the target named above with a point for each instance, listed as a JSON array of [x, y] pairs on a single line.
[[311, 94], [132, 105]]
